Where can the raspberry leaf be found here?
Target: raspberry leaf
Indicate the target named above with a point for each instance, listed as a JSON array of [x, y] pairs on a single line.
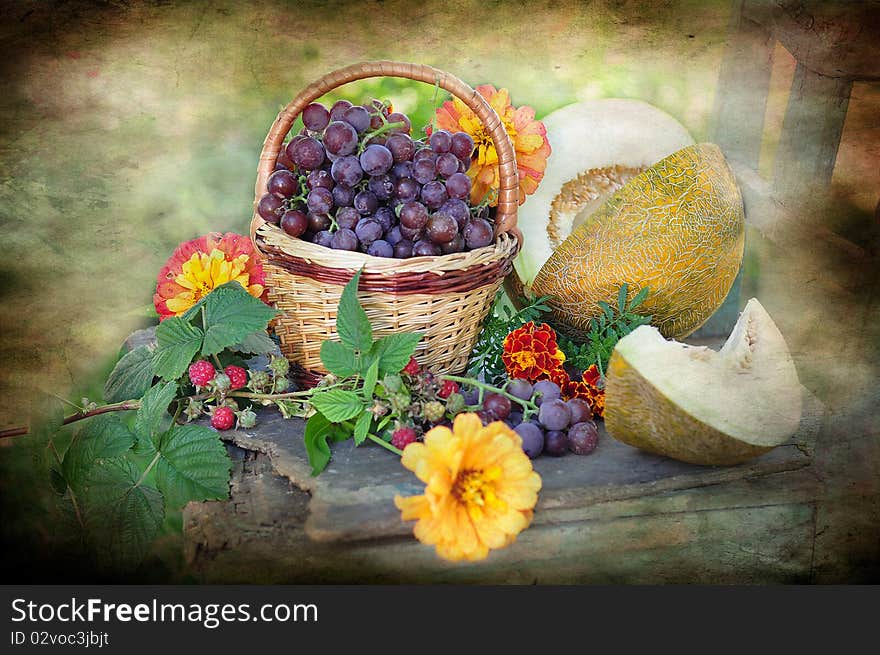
[[178, 344], [231, 315], [315, 437], [257, 343], [338, 404], [352, 323], [154, 408], [393, 351], [370, 379], [339, 359], [193, 465], [362, 428], [103, 437], [131, 377]]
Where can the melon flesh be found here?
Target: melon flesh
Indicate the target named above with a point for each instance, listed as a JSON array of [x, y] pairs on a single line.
[[702, 406]]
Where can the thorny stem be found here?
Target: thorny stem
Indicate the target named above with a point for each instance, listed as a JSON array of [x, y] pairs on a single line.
[[385, 444], [125, 405]]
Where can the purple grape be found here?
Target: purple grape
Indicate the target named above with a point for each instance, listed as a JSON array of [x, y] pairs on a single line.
[[318, 222], [497, 404], [462, 146], [555, 443], [376, 160], [532, 439], [458, 209], [406, 188], [434, 195], [456, 244], [315, 117], [294, 222], [402, 169], [410, 233], [347, 217], [583, 438], [385, 217], [546, 390], [441, 228], [320, 178], [403, 249], [424, 154], [358, 117], [401, 147], [308, 154], [282, 183], [380, 248], [458, 185], [291, 148], [519, 388], [423, 171], [397, 117], [425, 249], [347, 170], [320, 200], [580, 410], [368, 231], [340, 138], [270, 208], [447, 164], [343, 196], [441, 141], [413, 215], [338, 109], [344, 239], [478, 233], [323, 238], [393, 236], [514, 418], [554, 414], [382, 186], [365, 202]]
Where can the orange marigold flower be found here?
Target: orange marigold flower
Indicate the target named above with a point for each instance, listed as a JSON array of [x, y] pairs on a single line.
[[529, 138], [480, 488], [532, 353], [589, 388], [197, 267]]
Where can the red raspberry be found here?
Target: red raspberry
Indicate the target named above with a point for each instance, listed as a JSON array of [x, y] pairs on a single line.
[[402, 437], [223, 418], [412, 367], [201, 372], [237, 376], [447, 389]]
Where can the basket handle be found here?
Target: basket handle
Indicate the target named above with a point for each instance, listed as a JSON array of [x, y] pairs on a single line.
[[508, 192]]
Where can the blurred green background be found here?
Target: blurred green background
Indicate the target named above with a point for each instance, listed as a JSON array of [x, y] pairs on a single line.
[[130, 127]]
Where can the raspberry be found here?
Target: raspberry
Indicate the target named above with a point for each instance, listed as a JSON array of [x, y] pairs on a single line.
[[434, 411], [247, 419], [279, 366], [447, 389], [237, 376], [402, 437], [201, 372], [260, 381], [412, 367], [223, 418], [221, 382]]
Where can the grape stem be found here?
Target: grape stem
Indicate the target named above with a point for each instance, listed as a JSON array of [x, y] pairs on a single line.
[[528, 406], [387, 127]]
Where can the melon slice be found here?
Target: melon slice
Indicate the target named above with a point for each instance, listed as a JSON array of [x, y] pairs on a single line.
[[598, 146], [702, 406]]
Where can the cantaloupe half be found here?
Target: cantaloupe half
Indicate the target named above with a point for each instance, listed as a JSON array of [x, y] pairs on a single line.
[[703, 406], [598, 146], [677, 228]]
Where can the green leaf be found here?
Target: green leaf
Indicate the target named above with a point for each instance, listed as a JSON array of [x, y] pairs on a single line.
[[639, 298], [393, 351], [370, 379], [621, 298], [103, 437], [131, 377], [193, 465], [257, 343], [315, 437], [352, 323], [122, 517], [232, 314], [147, 423], [339, 359], [606, 308], [338, 404], [59, 484], [178, 344], [362, 428]]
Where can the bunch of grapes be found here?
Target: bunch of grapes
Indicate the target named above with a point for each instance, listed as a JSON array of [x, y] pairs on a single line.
[[560, 426], [355, 179]]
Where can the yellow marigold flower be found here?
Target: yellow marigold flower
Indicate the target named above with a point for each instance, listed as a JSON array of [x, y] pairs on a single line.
[[480, 491], [529, 138]]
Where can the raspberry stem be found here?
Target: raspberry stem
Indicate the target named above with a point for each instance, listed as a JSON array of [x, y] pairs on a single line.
[[528, 405], [385, 444]]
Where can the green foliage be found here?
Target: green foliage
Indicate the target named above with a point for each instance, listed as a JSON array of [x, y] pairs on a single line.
[[131, 377], [192, 465], [501, 321], [613, 324]]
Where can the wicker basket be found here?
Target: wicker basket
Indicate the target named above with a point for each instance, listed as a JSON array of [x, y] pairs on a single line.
[[445, 297]]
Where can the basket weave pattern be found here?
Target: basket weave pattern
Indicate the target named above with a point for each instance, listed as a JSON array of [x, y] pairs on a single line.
[[445, 298]]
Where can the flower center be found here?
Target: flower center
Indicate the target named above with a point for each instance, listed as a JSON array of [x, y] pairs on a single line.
[[475, 489], [525, 359]]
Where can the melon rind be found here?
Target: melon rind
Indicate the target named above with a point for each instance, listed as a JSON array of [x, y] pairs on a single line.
[[677, 228]]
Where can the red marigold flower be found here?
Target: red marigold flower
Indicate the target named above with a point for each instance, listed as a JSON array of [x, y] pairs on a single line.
[[197, 267], [587, 388], [532, 353]]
